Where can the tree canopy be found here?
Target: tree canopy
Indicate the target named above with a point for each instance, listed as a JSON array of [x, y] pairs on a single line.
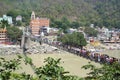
[[75, 39], [50, 71], [8, 68], [91, 31], [53, 71], [98, 12], [3, 23], [106, 72], [14, 33]]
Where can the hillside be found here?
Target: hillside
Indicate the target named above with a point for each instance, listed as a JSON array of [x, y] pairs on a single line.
[[57, 8], [99, 12]]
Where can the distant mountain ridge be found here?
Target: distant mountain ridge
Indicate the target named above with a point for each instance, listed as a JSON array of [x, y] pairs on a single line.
[[82, 10]]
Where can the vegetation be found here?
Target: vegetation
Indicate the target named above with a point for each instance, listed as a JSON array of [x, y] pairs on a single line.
[[63, 24], [3, 24], [91, 31], [53, 71], [106, 72], [75, 39], [13, 32], [86, 12], [7, 69], [50, 71], [25, 17]]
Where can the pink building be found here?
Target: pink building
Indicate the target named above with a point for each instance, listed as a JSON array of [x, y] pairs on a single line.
[[37, 23]]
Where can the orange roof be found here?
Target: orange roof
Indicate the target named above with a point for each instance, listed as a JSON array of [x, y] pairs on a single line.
[[40, 22]]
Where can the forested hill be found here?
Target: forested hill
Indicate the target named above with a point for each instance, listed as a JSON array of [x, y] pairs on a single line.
[[99, 12]]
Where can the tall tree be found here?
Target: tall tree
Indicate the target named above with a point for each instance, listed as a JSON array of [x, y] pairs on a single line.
[[81, 41]]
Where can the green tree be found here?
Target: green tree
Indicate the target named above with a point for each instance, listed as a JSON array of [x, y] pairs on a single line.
[[106, 72], [75, 39], [65, 24], [18, 23], [52, 22], [50, 71], [8, 68], [94, 74], [65, 39], [80, 40], [4, 23], [14, 33], [75, 24], [57, 24], [53, 71], [91, 31]]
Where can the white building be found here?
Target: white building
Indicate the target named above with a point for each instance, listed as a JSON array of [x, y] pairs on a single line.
[[104, 33], [7, 18], [19, 18], [71, 30]]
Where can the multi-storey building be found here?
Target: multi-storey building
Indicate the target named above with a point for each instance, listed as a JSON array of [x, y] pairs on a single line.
[[3, 35], [37, 23]]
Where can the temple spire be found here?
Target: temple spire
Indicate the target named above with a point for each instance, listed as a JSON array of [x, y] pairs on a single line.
[[33, 15]]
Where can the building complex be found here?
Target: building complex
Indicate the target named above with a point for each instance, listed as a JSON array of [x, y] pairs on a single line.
[[36, 24], [3, 35]]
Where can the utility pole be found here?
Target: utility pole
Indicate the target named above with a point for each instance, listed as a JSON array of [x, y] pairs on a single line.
[[23, 41]]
